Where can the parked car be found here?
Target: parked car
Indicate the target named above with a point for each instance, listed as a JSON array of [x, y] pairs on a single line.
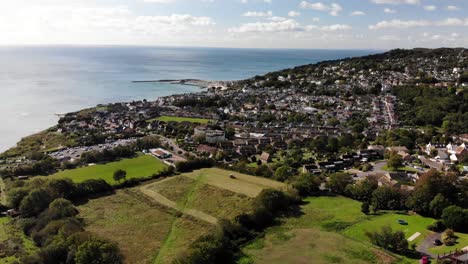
[[437, 242], [402, 222]]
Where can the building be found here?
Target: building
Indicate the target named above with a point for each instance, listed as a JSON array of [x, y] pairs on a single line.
[[265, 158], [161, 153]]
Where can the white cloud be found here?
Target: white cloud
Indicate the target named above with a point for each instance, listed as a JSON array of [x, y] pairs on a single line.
[[396, 23], [288, 25], [452, 8], [333, 9], [336, 27], [258, 14], [357, 13], [397, 2], [390, 38], [430, 7], [389, 11], [402, 24], [293, 14]]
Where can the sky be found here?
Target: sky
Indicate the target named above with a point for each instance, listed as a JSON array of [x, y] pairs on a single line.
[[336, 24]]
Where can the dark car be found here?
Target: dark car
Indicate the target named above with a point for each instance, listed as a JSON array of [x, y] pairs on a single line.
[[402, 222], [437, 242]]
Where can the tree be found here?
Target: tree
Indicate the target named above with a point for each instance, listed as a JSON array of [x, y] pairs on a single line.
[[387, 239], [365, 208], [363, 190], [429, 185], [387, 198], [456, 218], [120, 175], [438, 204], [395, 161], [34, 203], [306, 184], [282, 173], [98, 252], [337, 182]]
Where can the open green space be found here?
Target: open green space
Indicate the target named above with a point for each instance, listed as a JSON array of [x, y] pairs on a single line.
[[332, 230], [180, 119], [140, 167], [462, 242], [136, 225], [239, 183], [315, 234], [44, 141], [416, 223], [403, 168]]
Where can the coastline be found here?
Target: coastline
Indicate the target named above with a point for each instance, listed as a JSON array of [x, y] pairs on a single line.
[[190, 82]]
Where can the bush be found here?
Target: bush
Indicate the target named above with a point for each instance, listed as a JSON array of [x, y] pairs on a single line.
[[98, 252], [437, 226], [456, 218], [449, 238], [387, 239]]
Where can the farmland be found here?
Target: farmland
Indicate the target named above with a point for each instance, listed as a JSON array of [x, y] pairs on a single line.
[[180, 119], [140, 167]]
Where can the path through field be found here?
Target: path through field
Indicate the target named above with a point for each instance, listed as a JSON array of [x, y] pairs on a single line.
[[171, 204]]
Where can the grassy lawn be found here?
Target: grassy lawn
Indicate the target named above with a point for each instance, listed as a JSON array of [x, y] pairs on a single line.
[[404, 168], [180, 119], [140, 167], [416, 223], [243, 184], [462, 242], [332, 230], [315, 234]]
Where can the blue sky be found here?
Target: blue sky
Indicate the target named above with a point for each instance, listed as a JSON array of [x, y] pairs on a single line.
[[354, 24]]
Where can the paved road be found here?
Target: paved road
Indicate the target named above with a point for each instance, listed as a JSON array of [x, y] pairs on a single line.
[[428, 243]]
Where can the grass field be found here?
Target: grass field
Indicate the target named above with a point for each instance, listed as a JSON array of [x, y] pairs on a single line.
[[243, 184], [315, 235], [138, 227], [332, 230], [404, 168], [416, 223], [180, 119], [140, 167], [462, 242]]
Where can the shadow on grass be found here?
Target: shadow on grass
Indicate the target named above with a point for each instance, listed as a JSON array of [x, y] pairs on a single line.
[[85, 200]]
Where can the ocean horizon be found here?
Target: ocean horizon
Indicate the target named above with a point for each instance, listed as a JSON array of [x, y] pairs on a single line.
[[38, 82]]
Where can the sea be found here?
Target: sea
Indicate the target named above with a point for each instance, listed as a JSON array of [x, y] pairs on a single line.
[[39, 82]]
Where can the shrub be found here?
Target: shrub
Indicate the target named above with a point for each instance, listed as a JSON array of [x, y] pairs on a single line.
[[437, 226]]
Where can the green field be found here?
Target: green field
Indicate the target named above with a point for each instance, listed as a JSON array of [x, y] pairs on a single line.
[[332, 230], [143, 229], [316, 235], [462, 242], [180, 119], [416, 223], [139, 167], [156, 223], [242, 183], [404, 168]]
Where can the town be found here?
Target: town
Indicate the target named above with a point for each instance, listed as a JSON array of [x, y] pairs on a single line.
[[337, 124]]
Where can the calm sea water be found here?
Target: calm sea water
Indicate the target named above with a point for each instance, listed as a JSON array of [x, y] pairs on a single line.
[[38, 82]]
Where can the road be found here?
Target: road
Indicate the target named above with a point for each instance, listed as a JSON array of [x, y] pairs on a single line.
[[428, 243]]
